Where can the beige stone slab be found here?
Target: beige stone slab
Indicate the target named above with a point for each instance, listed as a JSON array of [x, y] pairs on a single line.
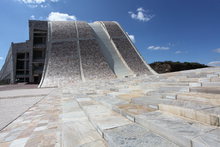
[[73, 116], [25, 92], [211, 139], [109, 122], [98, 110], [194, 114], [78, 133], [210, 90], [213, 99], [179, 131], [211, 84], [98, 143]]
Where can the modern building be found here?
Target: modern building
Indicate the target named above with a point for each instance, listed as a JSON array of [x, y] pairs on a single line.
[[61, 52]]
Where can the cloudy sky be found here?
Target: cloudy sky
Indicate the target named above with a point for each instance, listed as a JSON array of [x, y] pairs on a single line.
[[177, 30]]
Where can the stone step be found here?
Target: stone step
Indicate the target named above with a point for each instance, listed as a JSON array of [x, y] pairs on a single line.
[[73, 119], [212, 99], [203, 113], [212, 75], [193, 80], [134, 135], [171, 95], [101, 116], [211, 90], [150, 101], [157, 84], [124, 108], [195, 84], [211, 84], [215, 79], [169, 89], [182, 132], [110, 102]]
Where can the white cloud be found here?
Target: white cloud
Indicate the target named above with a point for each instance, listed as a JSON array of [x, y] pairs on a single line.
[[214, 63], [57, 16], [178, 52], [141, 15], [158, 48], [32, 17], [33, 1], [1, 58], [131, 37], [181, 52], [38, 3], [217, 50]]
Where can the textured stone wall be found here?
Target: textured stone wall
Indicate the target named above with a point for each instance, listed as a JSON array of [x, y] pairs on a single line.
[[130, 56], [63, 30], [73, 54], [62, 56], [85, 31], [63, 64], [93, 62], [113, 29], [126, 49]]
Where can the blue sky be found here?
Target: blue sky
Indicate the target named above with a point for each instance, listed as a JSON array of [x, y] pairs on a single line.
[[176, 30]]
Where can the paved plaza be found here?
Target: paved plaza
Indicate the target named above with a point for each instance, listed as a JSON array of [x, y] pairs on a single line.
[[175, 109]]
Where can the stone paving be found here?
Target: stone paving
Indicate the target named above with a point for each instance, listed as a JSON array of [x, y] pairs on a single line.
[[159, 110]]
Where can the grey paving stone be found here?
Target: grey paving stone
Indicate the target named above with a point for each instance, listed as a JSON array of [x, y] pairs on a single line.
[[134, 135], [211, 139], [178, 130], [211, 90]]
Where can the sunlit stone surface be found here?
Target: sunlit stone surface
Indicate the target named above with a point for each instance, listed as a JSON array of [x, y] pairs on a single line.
[[134, 111]]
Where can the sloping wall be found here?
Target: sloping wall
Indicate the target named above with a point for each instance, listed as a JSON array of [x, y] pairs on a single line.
[[62, 55], [127, 49], [75, 53]]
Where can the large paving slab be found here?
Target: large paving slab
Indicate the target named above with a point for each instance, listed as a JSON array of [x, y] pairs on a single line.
[[207, 98], [193, 111], [134, 135], [25, 93], [10, 109], [173, 128], [118, 112]]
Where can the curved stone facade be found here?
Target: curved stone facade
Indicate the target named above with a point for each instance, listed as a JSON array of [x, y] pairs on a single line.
[[63, 57], [75, 53], [93, 62], [64, 52], [127, 49]]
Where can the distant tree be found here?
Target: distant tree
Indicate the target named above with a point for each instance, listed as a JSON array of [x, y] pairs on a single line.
[[170, 66]]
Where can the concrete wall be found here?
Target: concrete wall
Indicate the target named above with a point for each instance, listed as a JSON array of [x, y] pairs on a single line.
[[6, 73]]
